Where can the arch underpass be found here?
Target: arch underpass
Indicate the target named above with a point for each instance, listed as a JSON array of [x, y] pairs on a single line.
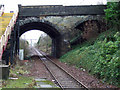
[[46, 27], [61, 23]]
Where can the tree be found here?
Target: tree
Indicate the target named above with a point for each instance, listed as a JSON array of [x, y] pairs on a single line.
[[44, 43], [25, 46], [112, 14]]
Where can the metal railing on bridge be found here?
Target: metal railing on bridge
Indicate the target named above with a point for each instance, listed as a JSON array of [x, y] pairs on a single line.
[[4, 38]]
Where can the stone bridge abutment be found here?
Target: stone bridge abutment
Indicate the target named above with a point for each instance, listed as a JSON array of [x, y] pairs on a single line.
[[62, 29], [61, 23]]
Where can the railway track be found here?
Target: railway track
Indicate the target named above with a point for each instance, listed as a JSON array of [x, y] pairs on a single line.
[[61, 76]]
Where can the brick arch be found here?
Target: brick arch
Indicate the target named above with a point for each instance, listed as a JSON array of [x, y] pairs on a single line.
[[91, 18], [91, 27], [28, 24], [35, 23]]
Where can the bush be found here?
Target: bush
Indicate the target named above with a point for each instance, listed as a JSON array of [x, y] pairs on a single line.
[[25, 46], [101, 59], [112, 14], [108, 63]]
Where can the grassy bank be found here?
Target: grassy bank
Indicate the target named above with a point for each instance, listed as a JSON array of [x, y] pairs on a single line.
[[18, 79], [101, 57]]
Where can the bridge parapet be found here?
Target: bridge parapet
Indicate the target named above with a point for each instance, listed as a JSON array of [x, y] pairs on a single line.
[[59, 10]]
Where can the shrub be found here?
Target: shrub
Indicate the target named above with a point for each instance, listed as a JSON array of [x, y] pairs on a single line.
[[101, 59], [112, 14]]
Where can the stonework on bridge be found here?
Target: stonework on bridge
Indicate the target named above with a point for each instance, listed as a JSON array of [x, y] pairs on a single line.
[[61, 25], [59, 10], [65, 27]]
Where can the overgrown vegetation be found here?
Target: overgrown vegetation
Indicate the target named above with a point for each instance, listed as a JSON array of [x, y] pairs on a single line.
[[25, 46], [101, 56], [22, 82], [19, 79], [112, 14], [44, 43]]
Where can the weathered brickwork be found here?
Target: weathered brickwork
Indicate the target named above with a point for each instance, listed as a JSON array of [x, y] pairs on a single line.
[[63, 29], [61, 23]]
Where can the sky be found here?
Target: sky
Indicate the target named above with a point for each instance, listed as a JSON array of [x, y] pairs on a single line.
[[12, 5], [32, 36]]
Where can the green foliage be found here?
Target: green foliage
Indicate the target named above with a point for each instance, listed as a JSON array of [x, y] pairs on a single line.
[[25, 46], [44, 43], [21, 82], [108, 65], [100, 57], [112, 14]]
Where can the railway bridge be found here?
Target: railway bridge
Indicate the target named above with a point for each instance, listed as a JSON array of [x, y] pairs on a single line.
[[61, 23]]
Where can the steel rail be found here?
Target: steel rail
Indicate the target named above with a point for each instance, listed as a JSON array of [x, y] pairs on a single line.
[[49, 70], [52, 75], [80, 83]]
